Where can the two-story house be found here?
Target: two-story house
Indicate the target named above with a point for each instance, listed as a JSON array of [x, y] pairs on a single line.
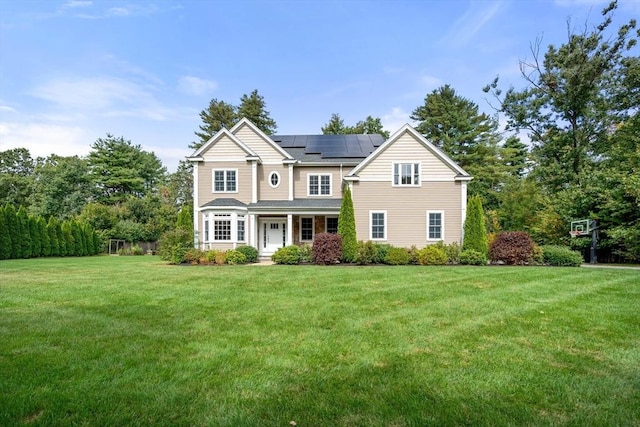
[[273, 191]]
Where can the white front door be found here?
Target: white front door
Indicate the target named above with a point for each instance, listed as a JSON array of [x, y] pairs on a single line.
[[273, 235]]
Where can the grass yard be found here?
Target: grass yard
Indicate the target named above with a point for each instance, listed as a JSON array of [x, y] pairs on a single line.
[[131, 341]]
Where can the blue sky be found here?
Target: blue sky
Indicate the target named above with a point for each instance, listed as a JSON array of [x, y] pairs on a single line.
[[72, 71]]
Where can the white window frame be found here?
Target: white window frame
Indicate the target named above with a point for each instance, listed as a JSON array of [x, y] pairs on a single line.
[[441, 238], [326, 223], [233, 218], [226, 170], [241, 219], [319, 175], [414, 165], [276, 173], [313, 228], [385, 225]]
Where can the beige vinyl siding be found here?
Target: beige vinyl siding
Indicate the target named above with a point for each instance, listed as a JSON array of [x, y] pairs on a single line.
[[300, 182], [406, 208], [224, 148], [267, 153], [205, 181], [265, 191], [406, 149]]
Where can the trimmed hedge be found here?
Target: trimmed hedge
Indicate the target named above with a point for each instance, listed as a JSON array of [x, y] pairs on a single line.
[[512, 248], [397, 256], [249, 252], [288, 255], [432, 255], [472, 257], [561, 256], [235, 257]]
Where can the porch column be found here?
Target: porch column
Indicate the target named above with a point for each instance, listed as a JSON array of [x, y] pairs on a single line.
[[196, 200], [253, 229], [254, 181], [289, 229], [290, 182]]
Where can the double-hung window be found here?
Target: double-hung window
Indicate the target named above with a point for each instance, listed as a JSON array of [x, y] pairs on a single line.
[[378, 225], [435, 225], [225, 180], [319, 184], [332, 224], [306, 228], [241, 228], [406, 174]]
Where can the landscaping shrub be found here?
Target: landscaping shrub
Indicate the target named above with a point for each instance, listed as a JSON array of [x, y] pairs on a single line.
[[452, 251], [537, 256], [249, 252], [397, 256], [366, 253], [475, 234], [413, 255], [235, 257], [173, 245], [511, 247], [472, 257], [305, 253], [193, 256], [327, 248], [561, 256], [287, 255], [432, 255], [347, 227], [381, 252]]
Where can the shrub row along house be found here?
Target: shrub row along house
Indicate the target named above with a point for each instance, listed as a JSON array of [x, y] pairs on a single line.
[[274, 191]]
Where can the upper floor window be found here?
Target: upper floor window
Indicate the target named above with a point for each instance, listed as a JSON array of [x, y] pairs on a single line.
[[319, 184], [225, 180], [274, 179], [406, 174]]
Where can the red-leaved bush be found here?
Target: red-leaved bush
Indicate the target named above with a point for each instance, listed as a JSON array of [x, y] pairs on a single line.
[[511, 247], [327, 248]]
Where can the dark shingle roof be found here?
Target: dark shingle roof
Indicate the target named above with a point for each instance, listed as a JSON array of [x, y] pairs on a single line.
[[224, 203], [329, 148]]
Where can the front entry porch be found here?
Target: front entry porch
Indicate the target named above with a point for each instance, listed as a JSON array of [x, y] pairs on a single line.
[[274, 232]]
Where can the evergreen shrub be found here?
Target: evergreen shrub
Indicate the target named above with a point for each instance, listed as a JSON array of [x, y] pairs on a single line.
[[235, 257], [432, 255], [472, 257], [249, 252], [397, 256], [288, 255], [561, 256]]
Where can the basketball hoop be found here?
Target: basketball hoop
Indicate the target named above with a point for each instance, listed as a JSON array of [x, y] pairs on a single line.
[[576, 233]]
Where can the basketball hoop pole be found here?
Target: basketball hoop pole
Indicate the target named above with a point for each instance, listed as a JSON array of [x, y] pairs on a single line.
[[594, 238]]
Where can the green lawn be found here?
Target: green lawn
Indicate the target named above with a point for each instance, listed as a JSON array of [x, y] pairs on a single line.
[[131, 341]]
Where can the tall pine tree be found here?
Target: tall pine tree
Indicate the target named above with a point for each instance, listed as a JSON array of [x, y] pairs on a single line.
[[253, 107], [347, 227]]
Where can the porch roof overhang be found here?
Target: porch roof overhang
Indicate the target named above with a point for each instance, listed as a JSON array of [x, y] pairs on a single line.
[[296, 206]]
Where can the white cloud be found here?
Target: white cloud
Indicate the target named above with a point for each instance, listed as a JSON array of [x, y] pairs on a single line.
[[7, 108], [77, 3], [468, 25], [395, 119], [196, 86], [44, 139], [107, 96]]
